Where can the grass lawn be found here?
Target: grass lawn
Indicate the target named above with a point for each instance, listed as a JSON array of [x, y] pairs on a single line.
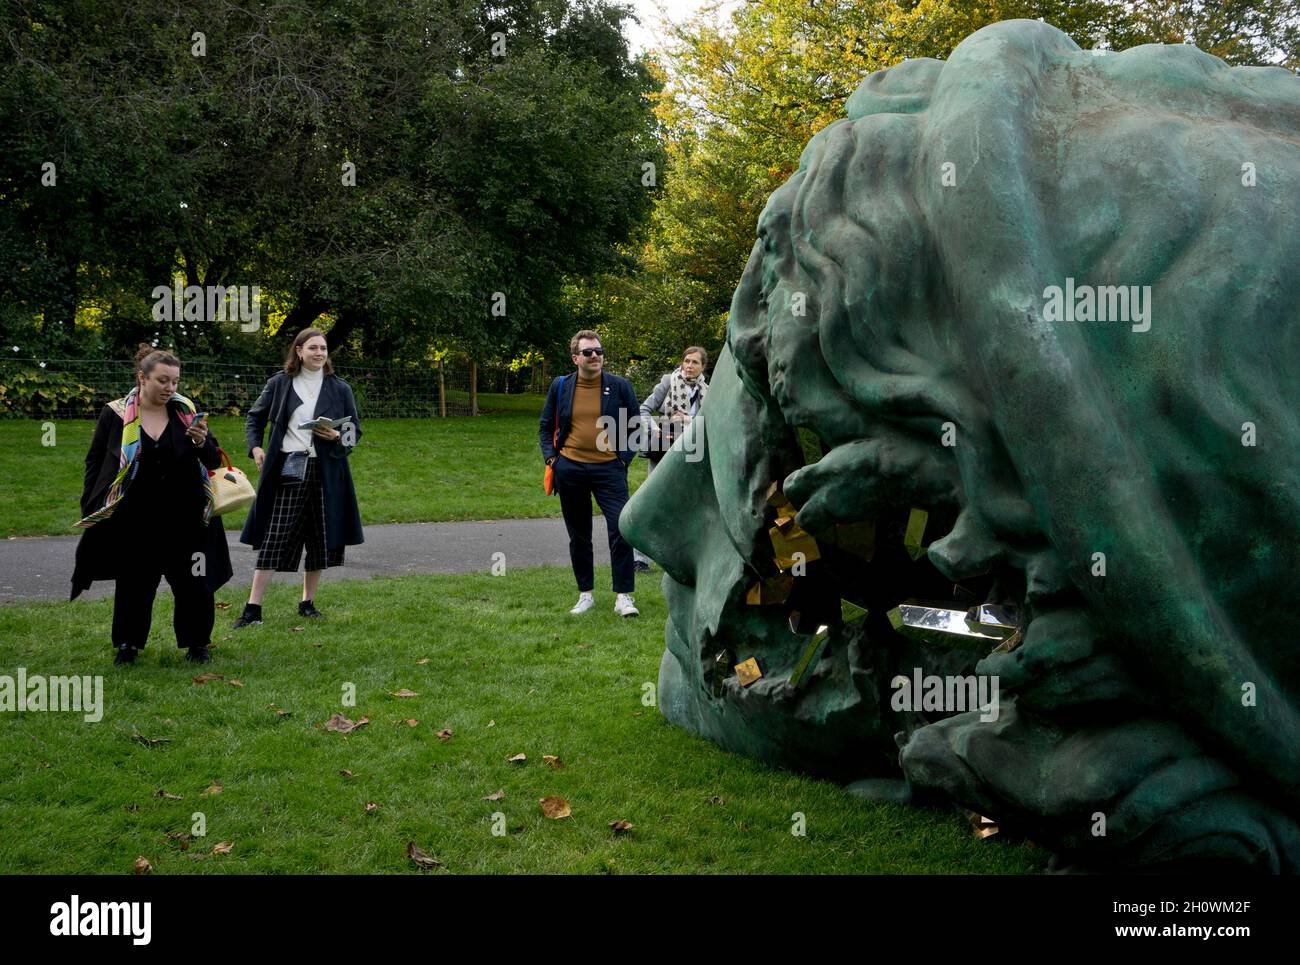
[[507, 671], [406, 470]]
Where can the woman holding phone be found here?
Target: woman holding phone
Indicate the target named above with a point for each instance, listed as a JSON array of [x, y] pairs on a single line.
[[305, 497], [147, 511]]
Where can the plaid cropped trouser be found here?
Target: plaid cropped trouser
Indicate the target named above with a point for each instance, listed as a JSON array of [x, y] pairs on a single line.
[[298, 522]]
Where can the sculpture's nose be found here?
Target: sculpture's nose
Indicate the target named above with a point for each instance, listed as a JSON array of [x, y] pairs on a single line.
[[668, 517]]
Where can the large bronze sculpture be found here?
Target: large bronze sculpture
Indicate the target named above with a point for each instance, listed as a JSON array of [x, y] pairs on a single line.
[[1035, 305]]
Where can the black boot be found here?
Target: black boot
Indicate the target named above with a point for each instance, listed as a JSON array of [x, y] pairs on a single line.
[[252, 616], [198, 655], [124, 655], [307, 609]]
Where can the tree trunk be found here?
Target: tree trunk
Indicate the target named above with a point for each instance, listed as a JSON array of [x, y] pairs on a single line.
[[473, 388], [442, 391], [306, 310], [350, 320]]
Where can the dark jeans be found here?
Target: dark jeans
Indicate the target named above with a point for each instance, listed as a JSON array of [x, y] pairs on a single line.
[[577, 483], [133, 602]]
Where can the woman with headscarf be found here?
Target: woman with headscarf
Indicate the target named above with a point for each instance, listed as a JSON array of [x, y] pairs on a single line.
[[147, 511]]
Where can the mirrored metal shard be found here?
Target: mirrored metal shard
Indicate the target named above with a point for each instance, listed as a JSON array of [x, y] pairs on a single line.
[[940, 623], [982, 826], [748, 671], [808, 659], [721, 668], [994, 618], [767, 592], [813, 651], [789, 538], [850, 612], [914, 535]]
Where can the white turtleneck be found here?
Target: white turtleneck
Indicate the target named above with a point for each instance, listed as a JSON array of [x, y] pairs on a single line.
[[307, 384]]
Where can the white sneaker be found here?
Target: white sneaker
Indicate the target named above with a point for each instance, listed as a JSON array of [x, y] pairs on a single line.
[[625, 607], [585, 603]]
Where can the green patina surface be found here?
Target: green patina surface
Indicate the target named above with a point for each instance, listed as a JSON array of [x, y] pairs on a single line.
[[938, 295]]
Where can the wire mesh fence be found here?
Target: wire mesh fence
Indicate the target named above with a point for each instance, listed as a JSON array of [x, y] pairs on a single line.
[[79, 388]]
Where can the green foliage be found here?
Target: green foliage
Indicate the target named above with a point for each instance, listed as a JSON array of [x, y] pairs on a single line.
[[477, 169], [32, 392]]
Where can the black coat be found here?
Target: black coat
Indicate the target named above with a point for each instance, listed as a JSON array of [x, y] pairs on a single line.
[[105, 547], [275, 405]]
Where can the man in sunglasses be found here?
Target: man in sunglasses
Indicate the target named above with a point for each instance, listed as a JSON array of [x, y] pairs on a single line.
[[590, 460]]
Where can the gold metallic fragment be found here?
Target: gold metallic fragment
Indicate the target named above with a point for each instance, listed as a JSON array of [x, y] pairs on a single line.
[[767, 592], [748, 671], [790, 538], [914, 535]]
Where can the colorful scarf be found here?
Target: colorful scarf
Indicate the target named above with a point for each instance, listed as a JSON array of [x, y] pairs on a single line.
[[129, 410]]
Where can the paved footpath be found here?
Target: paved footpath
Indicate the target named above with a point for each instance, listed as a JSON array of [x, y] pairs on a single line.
[[40, 568]]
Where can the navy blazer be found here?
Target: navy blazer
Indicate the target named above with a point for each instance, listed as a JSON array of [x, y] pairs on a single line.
[[618, 401]]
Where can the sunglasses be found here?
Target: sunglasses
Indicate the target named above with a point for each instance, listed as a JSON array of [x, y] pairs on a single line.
[[589, 352]]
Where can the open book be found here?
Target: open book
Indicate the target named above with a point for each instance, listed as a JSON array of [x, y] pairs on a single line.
[[325, 422]]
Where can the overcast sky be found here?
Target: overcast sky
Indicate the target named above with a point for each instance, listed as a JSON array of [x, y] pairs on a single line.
[[643, 37]]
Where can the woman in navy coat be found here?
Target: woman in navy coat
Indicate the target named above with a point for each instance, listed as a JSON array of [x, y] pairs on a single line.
[[305, 497]]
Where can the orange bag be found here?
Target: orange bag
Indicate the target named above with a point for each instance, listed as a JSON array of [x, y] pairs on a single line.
[[548, 479]]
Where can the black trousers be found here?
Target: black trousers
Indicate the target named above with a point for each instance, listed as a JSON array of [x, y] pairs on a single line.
[[577, 483], [133, 602]]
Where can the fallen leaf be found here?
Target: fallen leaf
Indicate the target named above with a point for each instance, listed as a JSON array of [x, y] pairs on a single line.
[[554, 761], [345, 772], [223, 848], [638, 713], [492, 723], [403, 693], [204, 678], [142, 866], [555, 807], [621, 827], [496, 796], [420, 858], [342, 725], [150, 741], [297, 629], [584, 646], [422, 661], [181, 836], [412, 722], [517, 759], [133, 808], [222, 606], [213, 788], [445, 734], [235, 682], [717, 800], [283, 713], [167, 795], [45, 764], [371, 807], [196, 856], [320, 644]]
